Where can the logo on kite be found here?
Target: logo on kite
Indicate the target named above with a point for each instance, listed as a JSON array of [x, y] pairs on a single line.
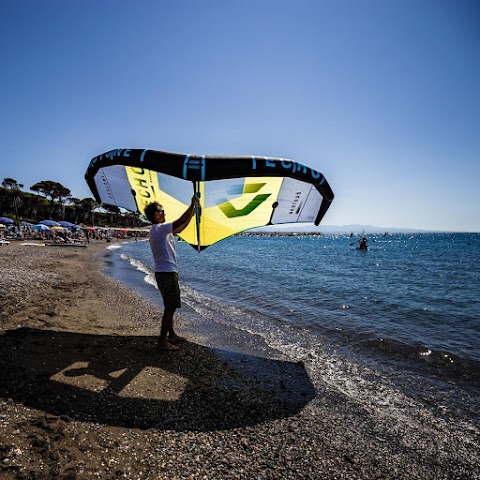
[[231, 211]]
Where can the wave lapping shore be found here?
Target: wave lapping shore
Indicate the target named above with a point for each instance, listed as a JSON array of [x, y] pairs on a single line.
[[84, 393]]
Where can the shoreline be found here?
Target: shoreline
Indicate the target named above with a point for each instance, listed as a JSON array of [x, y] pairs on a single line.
[[84, 393]]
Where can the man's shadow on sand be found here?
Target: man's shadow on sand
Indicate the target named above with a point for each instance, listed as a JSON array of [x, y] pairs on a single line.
[[123, 381]]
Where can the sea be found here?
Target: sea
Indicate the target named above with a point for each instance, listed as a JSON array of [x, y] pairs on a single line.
[[399, 321]]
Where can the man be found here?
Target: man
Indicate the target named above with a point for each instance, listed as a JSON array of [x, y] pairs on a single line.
[[363, 244], [162, 243]]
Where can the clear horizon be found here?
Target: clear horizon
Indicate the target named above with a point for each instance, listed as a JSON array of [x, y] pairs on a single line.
[[357, 228], [381, 97]]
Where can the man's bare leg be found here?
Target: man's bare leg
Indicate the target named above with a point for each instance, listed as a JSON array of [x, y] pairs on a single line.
[[166, 330]]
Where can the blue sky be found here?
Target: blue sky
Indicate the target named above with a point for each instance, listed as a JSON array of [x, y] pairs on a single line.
[[381, 96]]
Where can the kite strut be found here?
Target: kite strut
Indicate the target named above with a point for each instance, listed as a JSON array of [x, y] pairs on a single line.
[[196, 193]]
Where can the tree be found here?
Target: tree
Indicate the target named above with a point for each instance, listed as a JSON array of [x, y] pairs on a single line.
[[14, 187], [113, 213], [77, 208], [11, 184], [52, 191], [88, 205]]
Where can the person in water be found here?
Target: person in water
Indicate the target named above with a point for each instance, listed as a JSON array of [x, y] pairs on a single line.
[[363, 244], [162, 243]]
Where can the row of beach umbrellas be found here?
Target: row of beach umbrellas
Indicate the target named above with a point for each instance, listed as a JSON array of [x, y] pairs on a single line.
[[43, 225], [53, 225]]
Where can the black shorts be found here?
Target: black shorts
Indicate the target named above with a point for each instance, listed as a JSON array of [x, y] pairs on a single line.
[[170, 289]]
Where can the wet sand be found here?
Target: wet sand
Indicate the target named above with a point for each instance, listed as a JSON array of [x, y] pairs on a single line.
[[85, 394]]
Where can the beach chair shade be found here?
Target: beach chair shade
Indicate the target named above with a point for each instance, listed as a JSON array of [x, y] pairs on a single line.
[[50, 223]]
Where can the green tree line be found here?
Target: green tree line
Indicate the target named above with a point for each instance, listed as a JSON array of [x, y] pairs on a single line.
[[54, 201]]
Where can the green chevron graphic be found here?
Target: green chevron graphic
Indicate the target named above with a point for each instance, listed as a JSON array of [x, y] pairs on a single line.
[[230, 211]]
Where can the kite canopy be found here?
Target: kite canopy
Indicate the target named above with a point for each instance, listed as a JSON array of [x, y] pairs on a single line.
[[236, 193]]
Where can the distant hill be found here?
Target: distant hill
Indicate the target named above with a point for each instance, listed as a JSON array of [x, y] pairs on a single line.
[[311, 228]]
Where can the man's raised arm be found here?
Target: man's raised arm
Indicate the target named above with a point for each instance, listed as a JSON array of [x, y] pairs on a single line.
[[181, 223]]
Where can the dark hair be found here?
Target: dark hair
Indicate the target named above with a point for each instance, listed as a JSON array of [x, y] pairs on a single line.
[[150, 210]]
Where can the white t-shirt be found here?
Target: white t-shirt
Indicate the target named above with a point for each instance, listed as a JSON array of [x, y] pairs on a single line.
[[162, 243]]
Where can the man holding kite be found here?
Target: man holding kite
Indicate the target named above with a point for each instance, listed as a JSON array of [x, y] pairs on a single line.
[[162, 243]]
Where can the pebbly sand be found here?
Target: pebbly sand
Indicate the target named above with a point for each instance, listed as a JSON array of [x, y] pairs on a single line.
[[84, 394]]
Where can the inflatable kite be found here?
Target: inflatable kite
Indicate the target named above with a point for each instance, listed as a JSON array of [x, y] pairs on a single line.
[[236, 193]]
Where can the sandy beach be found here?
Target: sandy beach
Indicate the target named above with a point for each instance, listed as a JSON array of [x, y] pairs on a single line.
[[85, 394]]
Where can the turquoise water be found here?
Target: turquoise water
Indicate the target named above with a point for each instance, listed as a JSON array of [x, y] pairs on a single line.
[[420, 291]]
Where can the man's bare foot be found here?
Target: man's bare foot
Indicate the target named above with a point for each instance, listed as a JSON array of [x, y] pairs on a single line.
[[175, 339], [166, 346]]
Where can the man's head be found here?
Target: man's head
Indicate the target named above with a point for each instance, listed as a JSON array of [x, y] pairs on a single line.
[[155, 213]]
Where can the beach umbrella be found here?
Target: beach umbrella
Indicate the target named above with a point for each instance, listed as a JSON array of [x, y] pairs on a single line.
[[66, 224], [50, 223], [57, 228], [41, 226], [6, 220], [27, 224]]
